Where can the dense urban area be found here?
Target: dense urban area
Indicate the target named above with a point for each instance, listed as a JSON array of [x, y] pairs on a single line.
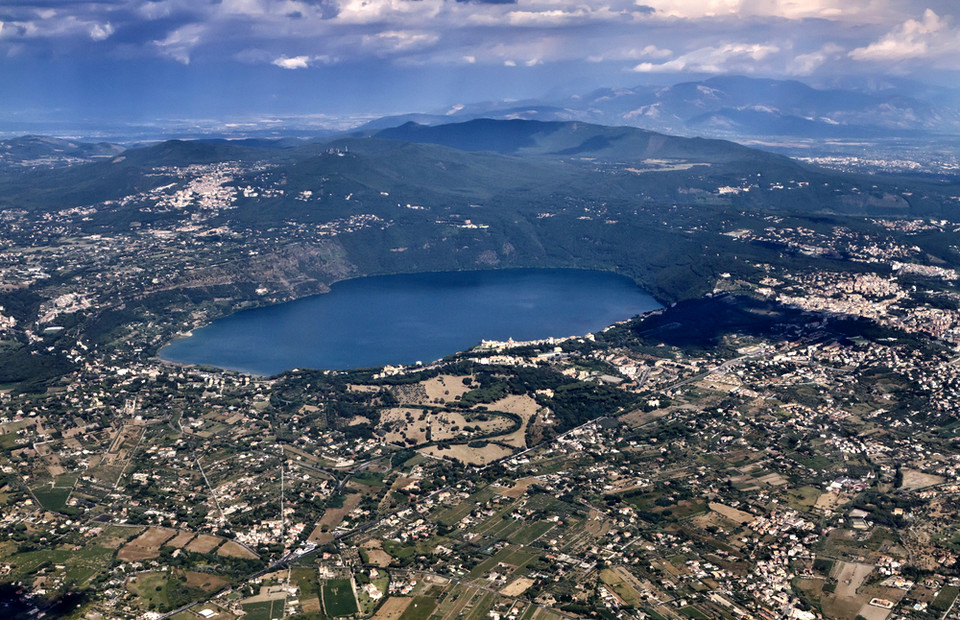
[[781, 444]]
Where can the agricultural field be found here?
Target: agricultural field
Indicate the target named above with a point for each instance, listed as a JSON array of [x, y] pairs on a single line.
[[338, 598], [146, 546]]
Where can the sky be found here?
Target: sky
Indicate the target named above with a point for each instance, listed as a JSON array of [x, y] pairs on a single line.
[[331, 61]]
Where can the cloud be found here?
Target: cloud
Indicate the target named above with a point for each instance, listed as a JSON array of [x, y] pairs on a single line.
[[731, 57], [297, 62], [806, 64], [750, 36], [842, 10], [392, 41], [179, 43], [101, 33], [912, 39]]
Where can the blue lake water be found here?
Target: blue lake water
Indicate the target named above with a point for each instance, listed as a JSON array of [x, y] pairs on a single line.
[[402, 319]]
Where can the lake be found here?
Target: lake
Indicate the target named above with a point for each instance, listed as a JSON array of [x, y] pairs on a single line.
[[403, 319]]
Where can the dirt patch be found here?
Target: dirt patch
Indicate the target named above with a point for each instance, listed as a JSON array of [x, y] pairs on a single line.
[[180, 540], [468, 455], [444, 388], [525, 407], [408, 426], [517, 587], [849, 578], [205, 581], [393, 608], [310, 605], [517, 490], [737, 516], [378, 557], [204, 543], [913, 479], [830, 501], [332, 517], [231, 549], [146, 546], [375, 553]]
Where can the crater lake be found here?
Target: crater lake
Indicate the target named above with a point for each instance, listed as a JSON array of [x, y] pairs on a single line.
[[408, 318]]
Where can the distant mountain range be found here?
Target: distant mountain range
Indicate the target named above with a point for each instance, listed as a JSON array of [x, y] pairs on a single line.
[[46, 152], [736, 108]]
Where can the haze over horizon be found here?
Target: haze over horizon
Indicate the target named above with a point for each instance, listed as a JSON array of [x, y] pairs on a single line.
[[331, 62]]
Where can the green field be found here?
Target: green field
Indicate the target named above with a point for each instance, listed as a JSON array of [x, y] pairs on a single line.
[[945, 598], [452, 515], [269, 610], [306, 579], [55, 497], [531, 532], [338, 599], [420, 608], [163, 591]]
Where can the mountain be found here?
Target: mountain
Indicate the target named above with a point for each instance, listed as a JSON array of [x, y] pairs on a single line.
[[736, 107], [47, 152], [571, 140], [741, 106], [513, 166]]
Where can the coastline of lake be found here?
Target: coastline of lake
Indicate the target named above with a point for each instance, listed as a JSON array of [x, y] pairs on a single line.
[[405, 318]]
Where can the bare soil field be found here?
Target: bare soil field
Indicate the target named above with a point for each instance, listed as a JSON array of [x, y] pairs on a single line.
[[393, 608], [180, 540], [737, 516], [403, 425], [913, 479], [205, 581], [444, 388], [230, 549], [517, 586], [146, 546], [468, 455], [375, 553], [850, 577], [525, 407], [204, 543], [323, 532]]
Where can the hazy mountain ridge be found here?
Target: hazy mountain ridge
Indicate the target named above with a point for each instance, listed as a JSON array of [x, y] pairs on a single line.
[[46, 152], [735, 107]]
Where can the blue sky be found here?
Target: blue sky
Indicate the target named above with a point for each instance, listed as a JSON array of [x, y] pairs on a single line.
[[211, 61]]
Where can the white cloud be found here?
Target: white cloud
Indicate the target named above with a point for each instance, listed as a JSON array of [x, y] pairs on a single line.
[[843, 10], [179, 43], [297, 62], [393, 41], [912, 39], [728, 57], [101, 33], [805, 64], [652, 51]]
